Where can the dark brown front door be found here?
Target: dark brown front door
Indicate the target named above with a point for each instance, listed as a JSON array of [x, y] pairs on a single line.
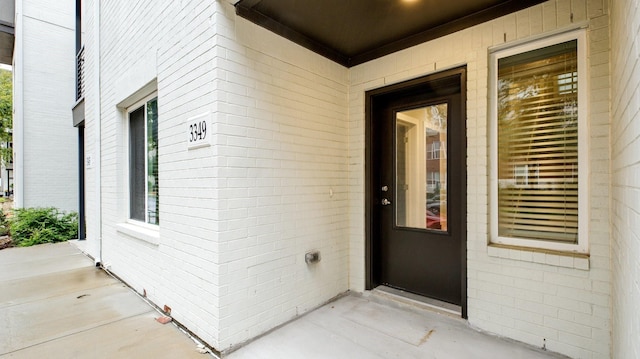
[[416, 187]]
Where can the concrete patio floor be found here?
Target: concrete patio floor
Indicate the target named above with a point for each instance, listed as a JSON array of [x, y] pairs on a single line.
[[54, 303], [374, 326]]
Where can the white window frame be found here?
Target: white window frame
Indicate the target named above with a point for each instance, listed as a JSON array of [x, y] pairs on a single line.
[[582, 246], [127, 113], [434, 154]]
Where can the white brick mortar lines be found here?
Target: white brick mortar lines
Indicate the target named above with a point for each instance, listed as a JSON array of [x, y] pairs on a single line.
[[625, 169], [281, 145], [538, 300], [92, 209], [182, 270], [236, 217]]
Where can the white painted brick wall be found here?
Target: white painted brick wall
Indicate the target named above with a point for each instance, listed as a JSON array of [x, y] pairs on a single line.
[[625, 169], [533, 297], [50, 160], [236, 217], [182, 269], [91, 205], [281, 148]]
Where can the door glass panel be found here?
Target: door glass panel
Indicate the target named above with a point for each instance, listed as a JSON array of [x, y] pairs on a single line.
[[421, 168]]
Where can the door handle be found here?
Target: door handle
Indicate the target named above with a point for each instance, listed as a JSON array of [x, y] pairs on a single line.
[[385, 202]]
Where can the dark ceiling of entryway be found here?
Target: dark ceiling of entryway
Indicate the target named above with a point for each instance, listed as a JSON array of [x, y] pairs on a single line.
[[351, 32]]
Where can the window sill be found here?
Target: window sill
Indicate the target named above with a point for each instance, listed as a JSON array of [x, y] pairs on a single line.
[[539, 255], [140, 232]]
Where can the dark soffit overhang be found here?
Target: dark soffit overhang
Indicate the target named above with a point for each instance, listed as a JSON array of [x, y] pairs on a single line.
[[351, 32]]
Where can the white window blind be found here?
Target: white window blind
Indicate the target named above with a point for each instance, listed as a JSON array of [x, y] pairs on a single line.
[[538, 144]]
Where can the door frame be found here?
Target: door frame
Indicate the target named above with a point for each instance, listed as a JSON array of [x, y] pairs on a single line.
[[374, 98]]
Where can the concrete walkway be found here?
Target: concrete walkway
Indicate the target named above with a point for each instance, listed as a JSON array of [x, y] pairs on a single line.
[[373, 327], [55, 304]]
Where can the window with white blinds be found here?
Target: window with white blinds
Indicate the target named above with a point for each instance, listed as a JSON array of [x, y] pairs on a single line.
[[537, 128]]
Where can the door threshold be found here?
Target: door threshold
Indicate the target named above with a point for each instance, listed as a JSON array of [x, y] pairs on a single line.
[[417, 301]]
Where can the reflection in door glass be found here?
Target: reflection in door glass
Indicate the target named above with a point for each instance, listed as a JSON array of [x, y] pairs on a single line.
[[421, 168]]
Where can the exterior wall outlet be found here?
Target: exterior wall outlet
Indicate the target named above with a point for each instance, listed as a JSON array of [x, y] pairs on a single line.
[[312, 257]]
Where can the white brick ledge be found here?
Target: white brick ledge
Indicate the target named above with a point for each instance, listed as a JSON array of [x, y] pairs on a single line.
[[541, 256], [149, 235]]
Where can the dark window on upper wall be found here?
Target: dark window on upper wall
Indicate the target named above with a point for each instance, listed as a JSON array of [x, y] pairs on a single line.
[[143, 163]]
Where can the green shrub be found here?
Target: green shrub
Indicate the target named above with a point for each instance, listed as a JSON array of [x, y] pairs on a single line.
[[31, 226], [4, 224]]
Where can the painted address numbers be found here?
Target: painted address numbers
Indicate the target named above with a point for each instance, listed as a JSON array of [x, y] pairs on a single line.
[[199, 131]]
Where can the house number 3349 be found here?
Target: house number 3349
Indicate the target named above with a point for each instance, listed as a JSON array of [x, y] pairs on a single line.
[[199, 131]]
